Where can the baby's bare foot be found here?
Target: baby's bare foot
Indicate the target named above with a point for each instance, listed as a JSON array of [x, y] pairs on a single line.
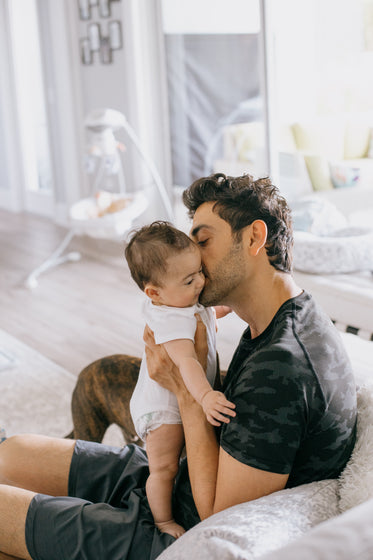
[[172, 528]]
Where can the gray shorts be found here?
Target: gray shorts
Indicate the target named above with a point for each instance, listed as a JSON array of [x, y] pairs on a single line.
[[105, 516]]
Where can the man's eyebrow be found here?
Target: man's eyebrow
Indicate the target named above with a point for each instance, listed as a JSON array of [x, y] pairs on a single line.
[[195, 230]]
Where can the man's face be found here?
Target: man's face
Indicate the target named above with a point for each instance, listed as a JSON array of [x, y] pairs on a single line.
[[222, 258]]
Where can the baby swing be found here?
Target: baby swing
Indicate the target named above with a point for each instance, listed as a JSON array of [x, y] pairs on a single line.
[[110, 211]]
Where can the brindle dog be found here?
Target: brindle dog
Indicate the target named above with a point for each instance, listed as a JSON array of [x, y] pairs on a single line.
[[101, 397]]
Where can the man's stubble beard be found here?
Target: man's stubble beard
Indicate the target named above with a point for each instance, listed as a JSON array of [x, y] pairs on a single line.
[[225, 277]]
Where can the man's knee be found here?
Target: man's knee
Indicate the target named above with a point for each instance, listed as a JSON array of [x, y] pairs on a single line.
[[9, 449]]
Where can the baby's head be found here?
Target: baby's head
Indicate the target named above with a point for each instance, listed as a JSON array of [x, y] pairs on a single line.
[[166, 265]]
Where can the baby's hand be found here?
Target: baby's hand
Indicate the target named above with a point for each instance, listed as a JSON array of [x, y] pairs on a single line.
[[217, 407]]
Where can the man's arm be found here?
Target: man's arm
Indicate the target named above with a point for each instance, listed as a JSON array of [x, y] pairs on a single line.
[[218, 480]]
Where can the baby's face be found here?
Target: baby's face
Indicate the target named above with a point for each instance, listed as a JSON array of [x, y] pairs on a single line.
[[184, 279]]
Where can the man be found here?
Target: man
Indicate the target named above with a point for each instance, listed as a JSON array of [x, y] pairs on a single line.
[[290, 380]]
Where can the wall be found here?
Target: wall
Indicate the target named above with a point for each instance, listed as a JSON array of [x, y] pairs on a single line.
[[9, 146], [134, 84]]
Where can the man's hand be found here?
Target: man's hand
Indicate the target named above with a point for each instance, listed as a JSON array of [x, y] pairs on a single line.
[[160, 366], [217, 408]]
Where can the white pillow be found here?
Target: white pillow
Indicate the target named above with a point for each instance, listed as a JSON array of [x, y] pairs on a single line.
[[249, 530], [356, 481]]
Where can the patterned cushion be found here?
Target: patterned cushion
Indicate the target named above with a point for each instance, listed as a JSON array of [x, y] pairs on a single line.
[[344, 175], [248, 530], [356, 481]]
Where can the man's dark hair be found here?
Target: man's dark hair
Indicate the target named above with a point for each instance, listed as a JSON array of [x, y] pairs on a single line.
[[149, 248], [242, 200]]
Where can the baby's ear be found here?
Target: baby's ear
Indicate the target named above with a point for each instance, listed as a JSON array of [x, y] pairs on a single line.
[[152, 292]]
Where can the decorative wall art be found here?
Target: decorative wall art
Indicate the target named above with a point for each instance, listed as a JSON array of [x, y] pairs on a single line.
[[102, 37]]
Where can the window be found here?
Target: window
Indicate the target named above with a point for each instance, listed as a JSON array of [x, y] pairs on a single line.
[[215, 94]]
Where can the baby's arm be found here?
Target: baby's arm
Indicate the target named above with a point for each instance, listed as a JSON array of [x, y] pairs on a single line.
[[214, 403]]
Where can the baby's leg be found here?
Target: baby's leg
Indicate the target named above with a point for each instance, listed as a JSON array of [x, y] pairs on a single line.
[[163, 447]]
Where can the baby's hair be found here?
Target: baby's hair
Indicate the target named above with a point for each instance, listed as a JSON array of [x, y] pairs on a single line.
[[149, 248]]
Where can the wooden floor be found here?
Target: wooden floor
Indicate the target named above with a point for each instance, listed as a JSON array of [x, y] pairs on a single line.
[[80, 311]]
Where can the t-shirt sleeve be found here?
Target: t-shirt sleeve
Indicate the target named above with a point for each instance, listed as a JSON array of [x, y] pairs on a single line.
[[270, 415], [172, 324]]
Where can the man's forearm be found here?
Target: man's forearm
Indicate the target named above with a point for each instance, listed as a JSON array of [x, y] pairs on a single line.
[[202, 453]]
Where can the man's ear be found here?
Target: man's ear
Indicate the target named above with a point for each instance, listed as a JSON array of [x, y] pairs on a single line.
[[152, 292], [255, 236]]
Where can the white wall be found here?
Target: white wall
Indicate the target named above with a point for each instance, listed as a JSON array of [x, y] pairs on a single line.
[[10, 175], [134, 84]]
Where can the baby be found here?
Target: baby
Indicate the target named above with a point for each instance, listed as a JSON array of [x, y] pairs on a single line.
[[166, 265]]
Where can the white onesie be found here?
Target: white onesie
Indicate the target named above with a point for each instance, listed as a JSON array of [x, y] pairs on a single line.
[[151, 405]]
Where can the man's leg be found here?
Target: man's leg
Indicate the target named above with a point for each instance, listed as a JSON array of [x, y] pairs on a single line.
[[37, 463], [28, 464], [14, 504]]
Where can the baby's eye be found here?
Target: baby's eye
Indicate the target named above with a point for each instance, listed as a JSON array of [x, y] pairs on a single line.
[[190, 282]]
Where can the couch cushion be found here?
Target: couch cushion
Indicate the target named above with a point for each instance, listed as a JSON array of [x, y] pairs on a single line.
[[294, 177], [346, 537], [356, 481], [249, 530], [318, 169], [321, 136], [357, 134]]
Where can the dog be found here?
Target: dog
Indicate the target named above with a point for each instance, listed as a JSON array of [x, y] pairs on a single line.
[[102, 396]]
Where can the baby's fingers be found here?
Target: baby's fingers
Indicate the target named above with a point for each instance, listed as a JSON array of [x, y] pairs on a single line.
[[228, 412], [225, 406], [220, 416], [212, 420], [224, 402], [225, 410]]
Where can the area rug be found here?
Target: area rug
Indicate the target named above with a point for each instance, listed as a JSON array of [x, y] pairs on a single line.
[[35, 393]]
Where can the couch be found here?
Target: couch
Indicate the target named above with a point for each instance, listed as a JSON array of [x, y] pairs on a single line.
[[314, 155], [329, 519]]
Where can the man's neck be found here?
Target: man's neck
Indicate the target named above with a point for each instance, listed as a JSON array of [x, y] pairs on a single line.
[[260, 303]]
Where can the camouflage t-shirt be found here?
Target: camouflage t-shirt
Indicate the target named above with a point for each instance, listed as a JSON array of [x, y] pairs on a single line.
[[295, 396]]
